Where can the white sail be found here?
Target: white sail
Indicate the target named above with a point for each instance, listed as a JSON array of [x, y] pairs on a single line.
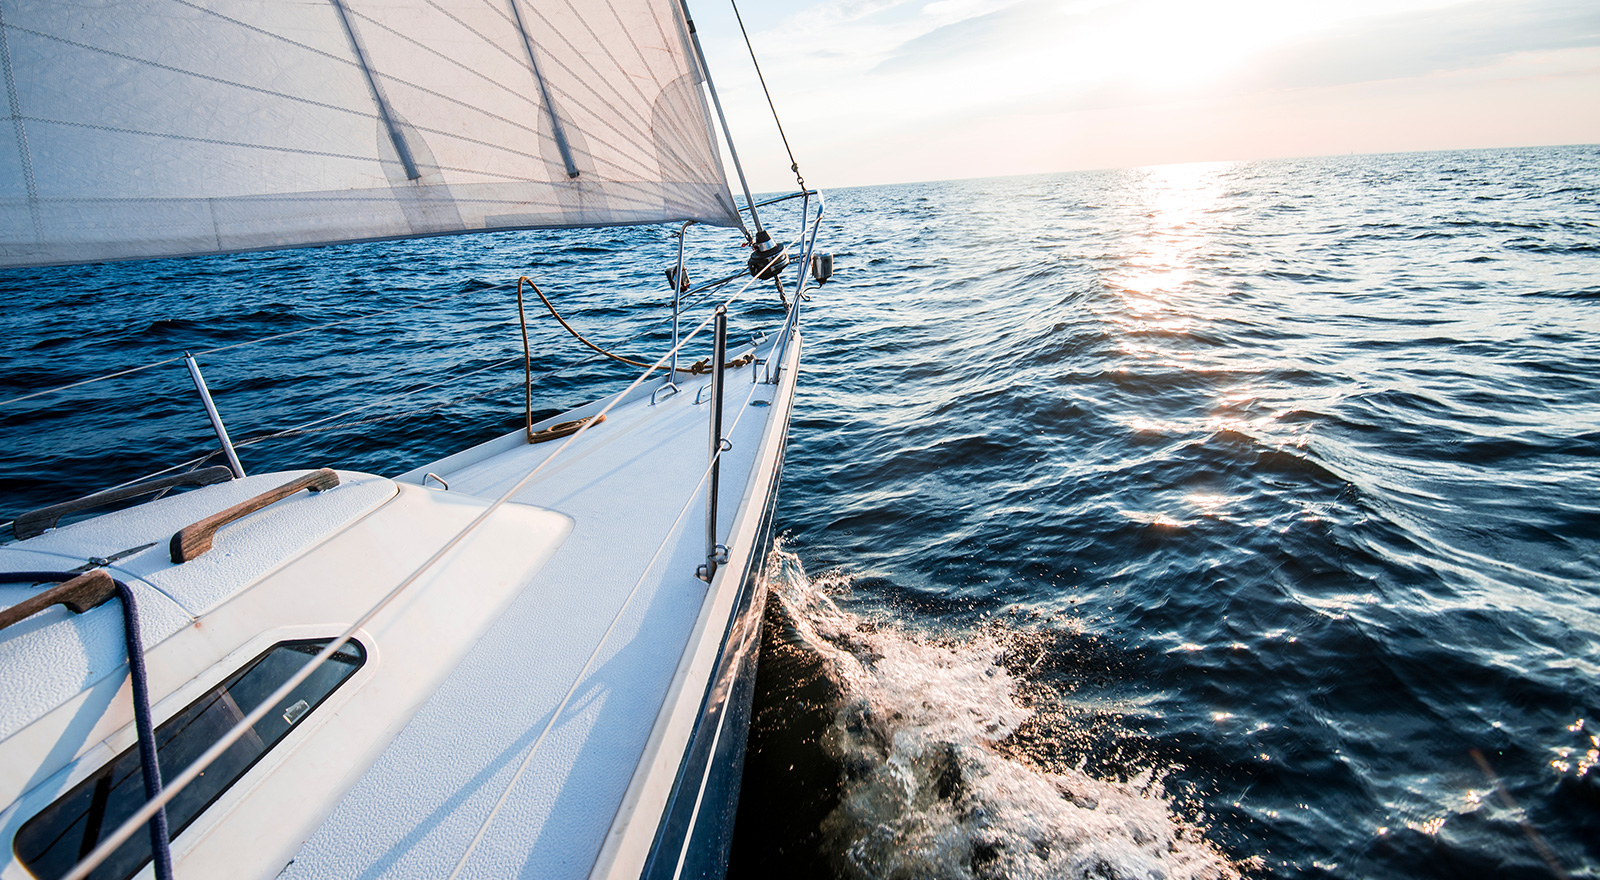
[[142, 128]]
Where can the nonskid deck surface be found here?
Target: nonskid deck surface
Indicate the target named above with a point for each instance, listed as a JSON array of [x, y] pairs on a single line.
[[518, 763], [57, 654]]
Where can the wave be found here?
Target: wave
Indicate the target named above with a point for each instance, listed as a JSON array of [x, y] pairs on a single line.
[[919, 732]]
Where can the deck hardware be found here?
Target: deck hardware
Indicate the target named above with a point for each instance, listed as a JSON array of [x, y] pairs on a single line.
[[822, 267], [103, 561], [679, 279], [36, 522], [216, 419], [716, 554], [669, 386], [767, 257], [296, 712], [791, 321], [430, 475], [720, 557], [79, 594], [191, 541], [563, 429], [700, 393]]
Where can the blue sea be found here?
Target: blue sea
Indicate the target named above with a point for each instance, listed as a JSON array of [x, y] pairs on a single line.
[[1197, 521]]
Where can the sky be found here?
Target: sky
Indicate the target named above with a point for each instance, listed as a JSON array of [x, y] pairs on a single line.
[[892, 91]]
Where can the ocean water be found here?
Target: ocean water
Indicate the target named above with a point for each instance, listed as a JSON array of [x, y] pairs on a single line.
[[1238, 519]]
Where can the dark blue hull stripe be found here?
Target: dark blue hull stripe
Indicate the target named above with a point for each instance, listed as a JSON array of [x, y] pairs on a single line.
[[696, 830]]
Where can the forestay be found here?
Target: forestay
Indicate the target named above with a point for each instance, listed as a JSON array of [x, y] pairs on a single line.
[[141, 128]]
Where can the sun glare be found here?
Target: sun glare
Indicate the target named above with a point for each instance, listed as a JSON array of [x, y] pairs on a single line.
[[1177, 197]]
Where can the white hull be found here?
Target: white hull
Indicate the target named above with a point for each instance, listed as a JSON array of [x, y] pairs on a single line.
[[524, 705]]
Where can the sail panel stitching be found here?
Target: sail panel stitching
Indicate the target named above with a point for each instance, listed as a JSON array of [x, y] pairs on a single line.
[[15, 104]]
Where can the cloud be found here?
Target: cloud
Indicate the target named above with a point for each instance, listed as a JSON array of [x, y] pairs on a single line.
[[1433, 41], [917, 89], [1369, 44], [1026, 25]]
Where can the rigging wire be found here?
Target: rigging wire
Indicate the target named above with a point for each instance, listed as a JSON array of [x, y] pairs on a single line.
[[793, 164], [555, 714], [140, 369], [320, 426], [110, 842], [173, 787]]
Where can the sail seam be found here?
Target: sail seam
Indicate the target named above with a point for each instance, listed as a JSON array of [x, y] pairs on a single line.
[[266, 33], [485, 77], [611, 57], [640, 129], [727, 133], [310, 101], [600, 74], [194, 73], [26, 158], [702, 79], [616, 114], [636, 123], [268, 147]]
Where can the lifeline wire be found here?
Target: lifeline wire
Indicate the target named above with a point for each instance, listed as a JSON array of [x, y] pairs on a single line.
[[555, 714], [131, 370], [312, 427], [139, 369], [151, 807]]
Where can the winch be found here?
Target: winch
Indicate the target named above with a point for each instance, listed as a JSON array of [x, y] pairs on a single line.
[[769, 258]]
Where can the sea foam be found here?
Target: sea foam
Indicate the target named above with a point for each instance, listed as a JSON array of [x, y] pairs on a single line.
[[927, 789]]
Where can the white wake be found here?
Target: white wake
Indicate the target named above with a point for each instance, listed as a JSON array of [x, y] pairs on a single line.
[[926, 793]]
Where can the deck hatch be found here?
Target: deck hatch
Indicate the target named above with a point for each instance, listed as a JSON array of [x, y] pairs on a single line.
[[53, 841]]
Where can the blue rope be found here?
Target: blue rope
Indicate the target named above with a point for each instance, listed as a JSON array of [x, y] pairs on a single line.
[[160, 843]]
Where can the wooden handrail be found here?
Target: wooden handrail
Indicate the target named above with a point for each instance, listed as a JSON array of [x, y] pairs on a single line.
[[35, 522], [79, 595], [191, 541]]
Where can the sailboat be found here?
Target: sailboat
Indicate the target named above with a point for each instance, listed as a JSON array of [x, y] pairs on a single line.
[[528, 658]]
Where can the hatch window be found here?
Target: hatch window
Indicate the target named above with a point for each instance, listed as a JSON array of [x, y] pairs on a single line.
[[49, 844]]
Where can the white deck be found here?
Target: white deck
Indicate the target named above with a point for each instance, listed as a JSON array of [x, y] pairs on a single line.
[[53, 656], [520, 761]]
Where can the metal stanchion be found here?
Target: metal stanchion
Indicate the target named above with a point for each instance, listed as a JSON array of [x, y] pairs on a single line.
[[716, 554], [216, 420]]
